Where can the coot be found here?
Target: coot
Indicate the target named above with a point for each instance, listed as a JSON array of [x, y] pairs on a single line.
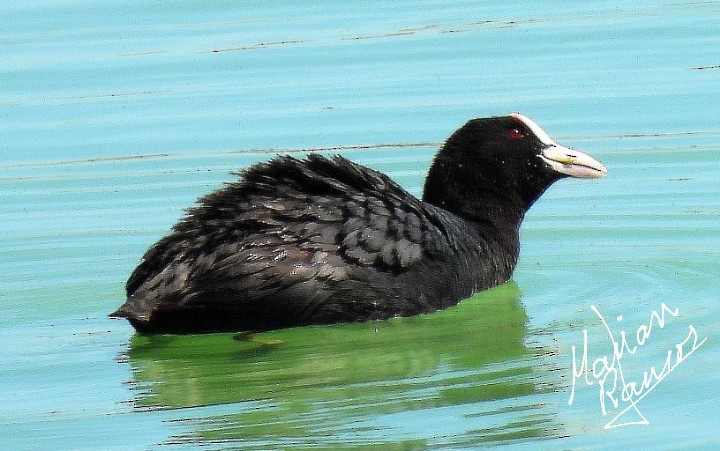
[[324, 240]]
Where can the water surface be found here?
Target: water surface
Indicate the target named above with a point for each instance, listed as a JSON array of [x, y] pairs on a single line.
[[115, 117]]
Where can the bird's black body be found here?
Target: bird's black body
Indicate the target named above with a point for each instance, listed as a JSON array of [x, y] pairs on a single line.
[[316, 241]]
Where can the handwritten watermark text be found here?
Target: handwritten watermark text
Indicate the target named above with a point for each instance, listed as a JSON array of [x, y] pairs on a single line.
[[615, 390]]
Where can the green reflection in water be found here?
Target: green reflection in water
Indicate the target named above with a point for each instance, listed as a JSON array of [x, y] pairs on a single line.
[[354, 383]]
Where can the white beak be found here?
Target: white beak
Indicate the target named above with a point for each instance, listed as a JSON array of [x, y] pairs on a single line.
[[572, 163]]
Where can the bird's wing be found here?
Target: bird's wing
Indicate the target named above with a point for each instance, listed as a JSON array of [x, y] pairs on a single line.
[[314, 221]]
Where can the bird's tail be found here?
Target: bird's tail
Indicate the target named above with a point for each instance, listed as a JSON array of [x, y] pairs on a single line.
[[162, 290], [135, 308]]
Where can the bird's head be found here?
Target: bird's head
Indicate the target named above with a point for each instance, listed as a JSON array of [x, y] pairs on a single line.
[[506, 161]]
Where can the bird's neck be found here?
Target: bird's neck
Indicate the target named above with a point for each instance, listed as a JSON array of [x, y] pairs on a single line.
[[495, 215], [483, 201]]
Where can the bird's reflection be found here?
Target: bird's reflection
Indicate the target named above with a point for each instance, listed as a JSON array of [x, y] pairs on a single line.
[[346, 382]]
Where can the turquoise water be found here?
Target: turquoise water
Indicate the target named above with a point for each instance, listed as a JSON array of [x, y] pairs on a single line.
[[116, 116]]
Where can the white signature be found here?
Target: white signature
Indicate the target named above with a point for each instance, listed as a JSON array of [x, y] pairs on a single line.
[[609, 373]]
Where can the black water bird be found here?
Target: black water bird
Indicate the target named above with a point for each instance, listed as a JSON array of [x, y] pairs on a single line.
[[324, 240]]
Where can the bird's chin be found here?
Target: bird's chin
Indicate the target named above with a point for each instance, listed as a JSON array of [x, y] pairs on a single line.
[[571, 163]]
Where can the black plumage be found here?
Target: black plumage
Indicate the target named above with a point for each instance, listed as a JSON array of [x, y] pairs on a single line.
[[324, 240]]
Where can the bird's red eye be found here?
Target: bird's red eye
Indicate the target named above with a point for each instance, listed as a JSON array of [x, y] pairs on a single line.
[[515, 133]]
